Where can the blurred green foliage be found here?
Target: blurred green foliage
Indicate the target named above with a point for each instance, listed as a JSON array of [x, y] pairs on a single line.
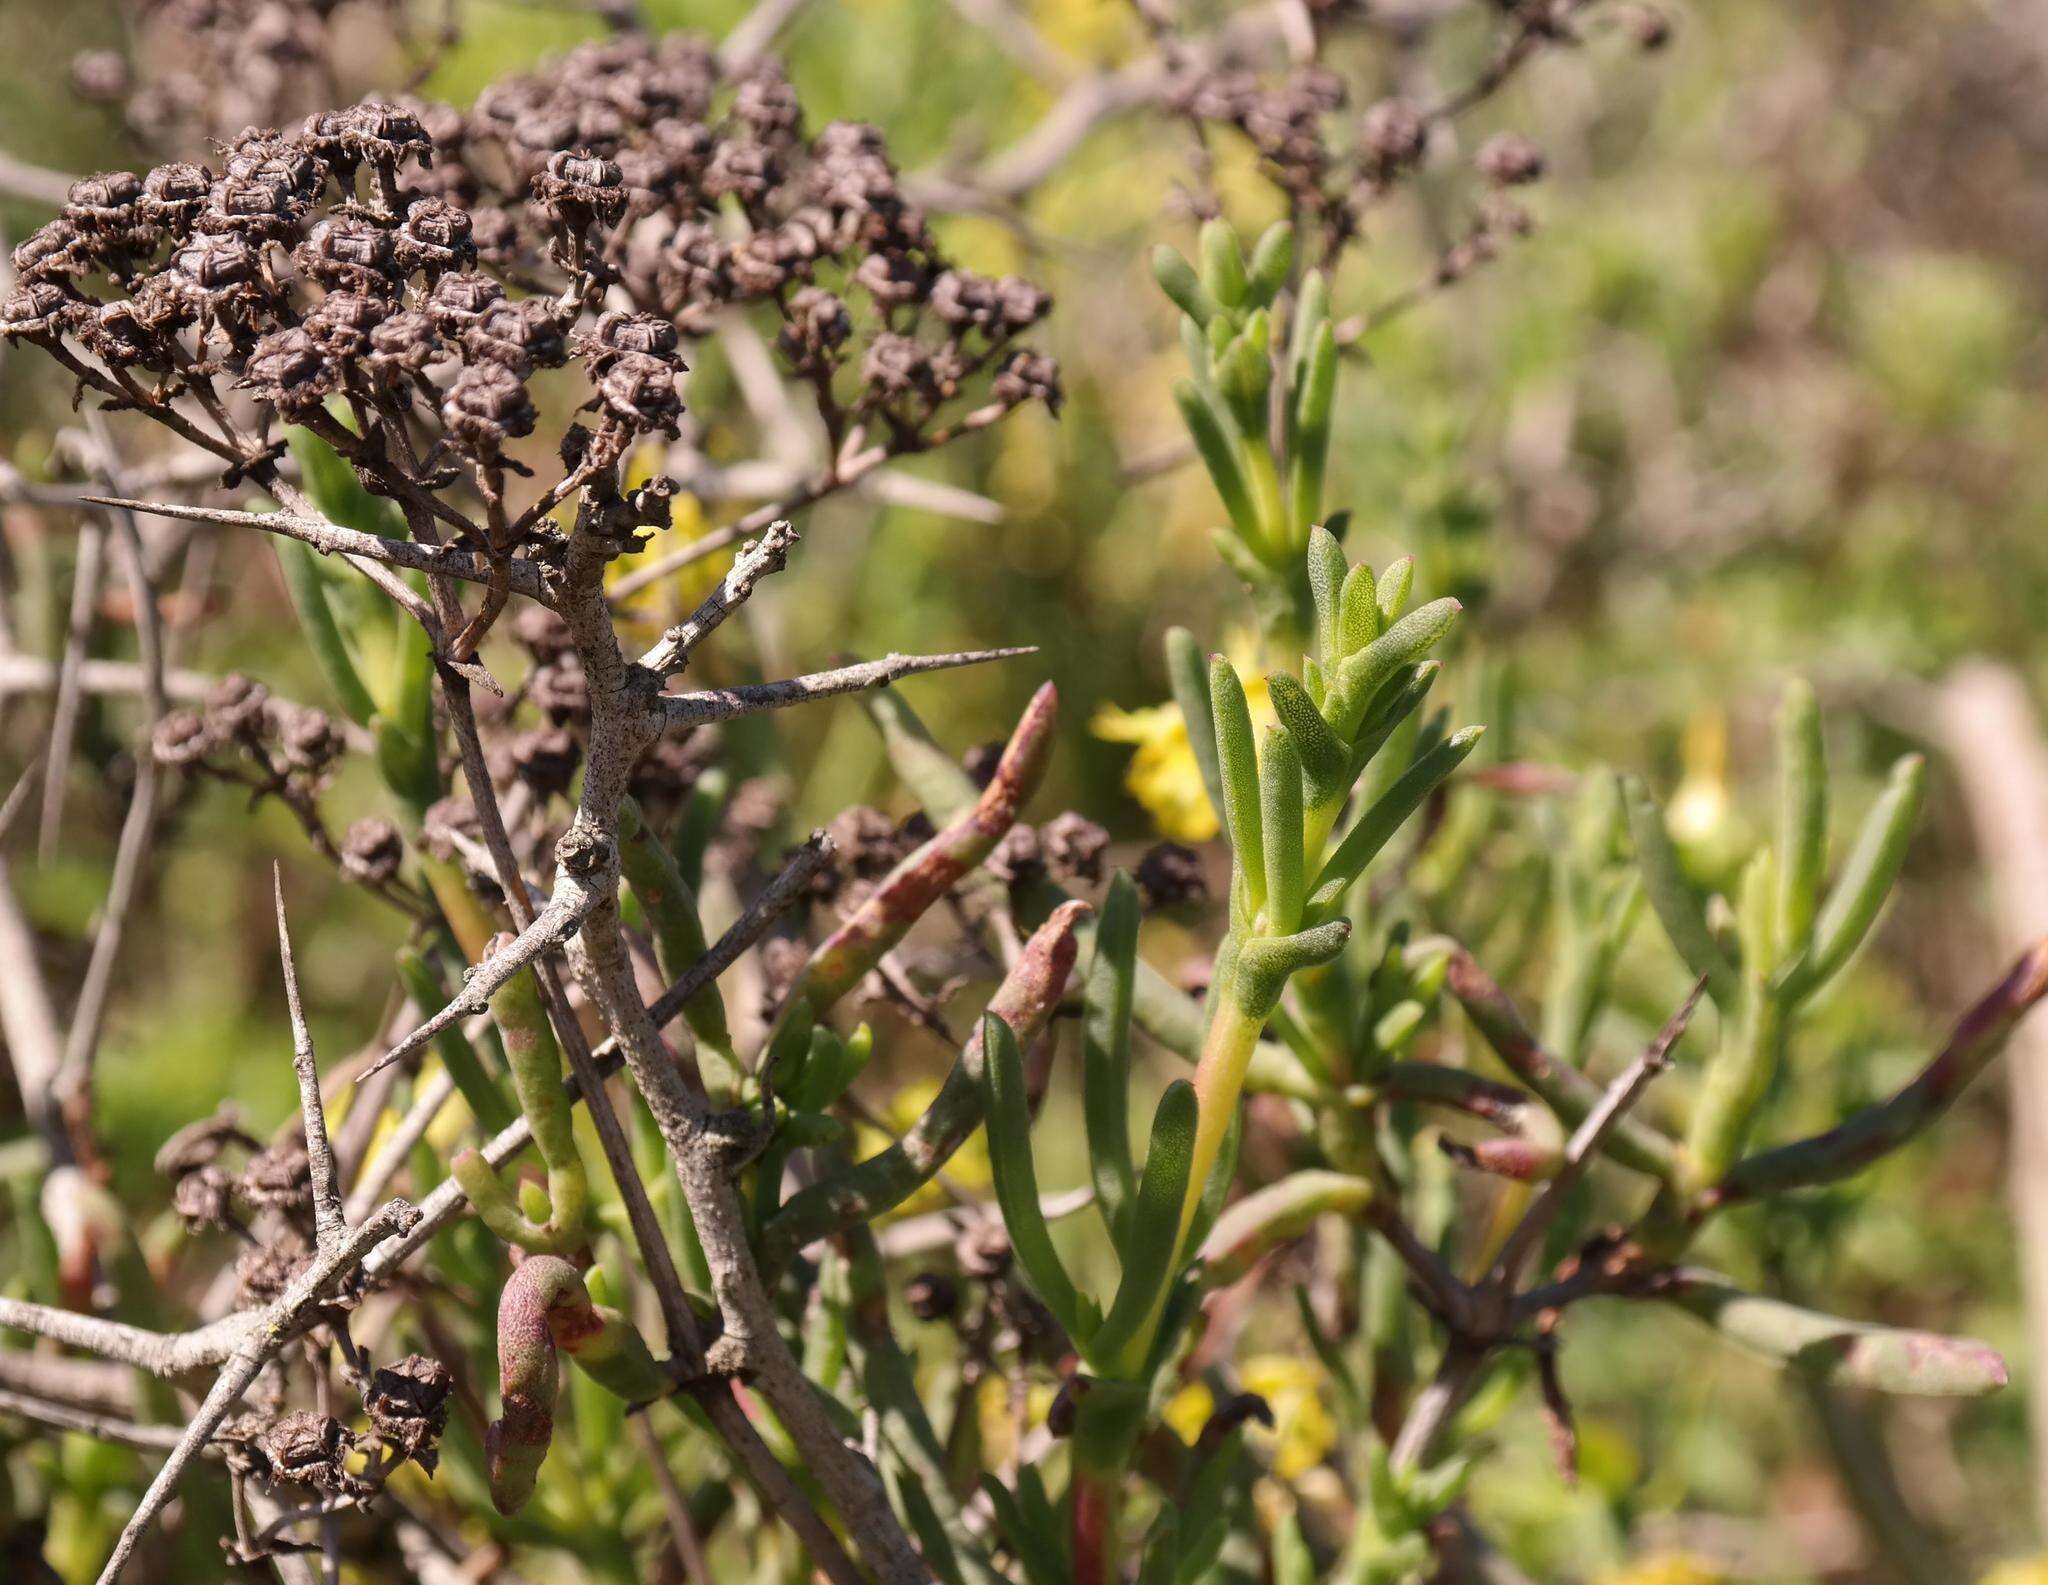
[[1762, 396]]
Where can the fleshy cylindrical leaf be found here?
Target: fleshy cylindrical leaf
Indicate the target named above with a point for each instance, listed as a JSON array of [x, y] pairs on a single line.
[[1844, 1353], [1016, 1175], [1802, 817], [1280, 823], [1106, 1050], [1866, 880], [1238, 765], [1152, 1237]]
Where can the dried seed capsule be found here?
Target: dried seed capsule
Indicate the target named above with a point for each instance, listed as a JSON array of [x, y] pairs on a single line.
[[932, 1296], [49, 252], [436, 235], [287, 369], [174, 194], [402, 345], [817, 324], [486, 406], [897, 366], [311, 741], [640, 392], [1074, 846], [372, 851], [408, 1402], [767, 103], [215, 262], [746, 171], [617, 332], [181, 738], [385, 134], [265, 154], [308, 1449], [578, 190], [345, 321], [116, 335], [1507, 159], [35, 311], [458, 301], [279, 1178], [521, 336], [546, 760], [961, 298], [561, 691], [204, 1197], [541, 633], [1170, 875], [1022, 303], [106, 201], [264, 1271], [892, 278], [348, 253], [1392, 137], [263, 205], [236, 706], [101, 76], [764, 263], [1026, 377]]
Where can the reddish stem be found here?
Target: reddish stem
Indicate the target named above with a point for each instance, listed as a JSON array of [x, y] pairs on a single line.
[[1094, 1518]]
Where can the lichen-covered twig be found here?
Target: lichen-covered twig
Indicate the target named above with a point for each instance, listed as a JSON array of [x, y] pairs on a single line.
[[725, 704], [769, 554], [522, 576]]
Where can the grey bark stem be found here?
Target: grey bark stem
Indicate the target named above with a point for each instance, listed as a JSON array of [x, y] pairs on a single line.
[[1992, 733], [624, 716]]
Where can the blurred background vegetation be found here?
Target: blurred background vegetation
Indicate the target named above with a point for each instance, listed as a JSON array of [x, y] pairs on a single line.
[[1761, 396]]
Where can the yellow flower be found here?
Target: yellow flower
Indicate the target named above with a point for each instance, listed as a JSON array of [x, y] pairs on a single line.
[[1163, 775], [1188, 1410], [1302, 1431], [1663, 1568]]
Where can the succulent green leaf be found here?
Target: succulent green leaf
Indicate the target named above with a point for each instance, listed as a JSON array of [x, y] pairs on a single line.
[[1016, 1177], [1371, 831], [1238, 764], [1293, 1563], [1223, 272], [1394, 585], [1359, 612], [1866, 880], [1106, 1050], [308, 589], [1214, 433], [1845, 1353], [1177, 278], [1323, 760], [1802, 817], [1265, 963], [1402, 644], [1280, 822], [1152, 1238], [1314, 399], [1326, 570], [1272, 262]]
